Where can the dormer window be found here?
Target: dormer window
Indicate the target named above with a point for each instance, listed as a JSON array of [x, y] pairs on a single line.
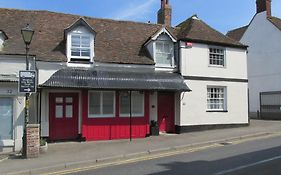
[[80, 42], [80, 47], [161, 48]]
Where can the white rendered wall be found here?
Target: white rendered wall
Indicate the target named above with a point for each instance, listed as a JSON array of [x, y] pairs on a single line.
[[195, 62], [194, 104], [264, 58], [153, 113], [47, 69]]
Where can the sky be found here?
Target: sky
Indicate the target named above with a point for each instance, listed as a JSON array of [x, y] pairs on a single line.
[[223, 15]]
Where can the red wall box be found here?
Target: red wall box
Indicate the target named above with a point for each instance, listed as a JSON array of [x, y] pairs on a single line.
[[116, 127]]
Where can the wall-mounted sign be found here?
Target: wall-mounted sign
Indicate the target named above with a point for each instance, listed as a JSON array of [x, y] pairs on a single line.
[[27, 81]]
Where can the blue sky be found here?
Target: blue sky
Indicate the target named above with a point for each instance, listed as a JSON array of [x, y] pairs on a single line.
[[223, 15]]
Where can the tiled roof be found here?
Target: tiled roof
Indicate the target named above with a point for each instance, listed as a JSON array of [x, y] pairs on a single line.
[[276, 21], [238, 33], [194, 29], [116, 41]]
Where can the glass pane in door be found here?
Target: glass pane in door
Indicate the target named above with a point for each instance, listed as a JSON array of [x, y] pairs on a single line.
[[6, 118]]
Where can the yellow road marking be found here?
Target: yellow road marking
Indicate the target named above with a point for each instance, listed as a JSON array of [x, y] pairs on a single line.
[[133, 160]]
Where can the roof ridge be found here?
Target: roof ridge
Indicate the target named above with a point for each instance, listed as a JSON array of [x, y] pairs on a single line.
[[83, 16]]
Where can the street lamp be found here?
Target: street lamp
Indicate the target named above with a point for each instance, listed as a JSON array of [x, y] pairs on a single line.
[[27, 34]]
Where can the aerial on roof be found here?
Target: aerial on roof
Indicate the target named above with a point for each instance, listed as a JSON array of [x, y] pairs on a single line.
[[115, 42]]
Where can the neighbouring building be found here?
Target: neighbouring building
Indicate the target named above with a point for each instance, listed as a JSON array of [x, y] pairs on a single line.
[[96, 73], [263, 37]]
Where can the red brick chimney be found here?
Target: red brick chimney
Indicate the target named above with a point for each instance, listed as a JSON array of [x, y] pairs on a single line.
[[264, 5], [165, 13]]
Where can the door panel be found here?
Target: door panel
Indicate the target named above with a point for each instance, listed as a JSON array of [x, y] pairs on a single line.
[[166, 112], [63, 114]]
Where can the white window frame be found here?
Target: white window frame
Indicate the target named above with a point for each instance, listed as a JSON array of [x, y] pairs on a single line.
[[217, 54], [171, 45], [80, 47], [224, 98], [133, 114], [81, 31], [101, 106]]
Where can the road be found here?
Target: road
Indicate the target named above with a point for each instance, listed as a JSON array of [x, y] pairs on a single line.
[[258, 157]]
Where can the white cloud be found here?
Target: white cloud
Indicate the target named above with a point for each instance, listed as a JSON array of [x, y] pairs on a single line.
[[135, 10]]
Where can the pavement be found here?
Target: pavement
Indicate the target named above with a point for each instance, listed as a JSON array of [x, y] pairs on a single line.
[[67, 155]]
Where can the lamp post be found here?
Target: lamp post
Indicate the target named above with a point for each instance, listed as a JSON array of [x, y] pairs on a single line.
[[27, 34]]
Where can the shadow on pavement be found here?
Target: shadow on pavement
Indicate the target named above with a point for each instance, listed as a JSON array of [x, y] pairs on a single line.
[[213, 167]]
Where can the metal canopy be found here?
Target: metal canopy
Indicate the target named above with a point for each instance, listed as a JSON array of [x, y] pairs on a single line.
[[112, 80]]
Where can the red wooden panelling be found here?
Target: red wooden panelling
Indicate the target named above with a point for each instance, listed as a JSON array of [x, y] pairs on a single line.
[[116, 127]]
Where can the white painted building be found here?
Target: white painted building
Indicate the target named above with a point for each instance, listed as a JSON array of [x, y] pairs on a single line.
[[216, 71], [263, 37]]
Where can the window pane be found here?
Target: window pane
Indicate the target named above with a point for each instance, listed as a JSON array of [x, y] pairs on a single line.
[[68, 100], [75, 52], [85, 41], [69, 111], [59, 100], [75, 41], [138, 103], [6, 118], [85, 52], [124, 104], [94, 103], [59, 111], [108, 103]]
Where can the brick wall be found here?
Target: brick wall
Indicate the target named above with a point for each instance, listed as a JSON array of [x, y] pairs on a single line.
[[32, 140]]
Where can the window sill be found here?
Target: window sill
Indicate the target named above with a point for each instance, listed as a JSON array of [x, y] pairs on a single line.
[[216, 66], [81, 62], [224, 111]]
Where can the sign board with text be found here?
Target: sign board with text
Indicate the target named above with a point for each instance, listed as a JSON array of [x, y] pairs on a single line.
[[27, 81]]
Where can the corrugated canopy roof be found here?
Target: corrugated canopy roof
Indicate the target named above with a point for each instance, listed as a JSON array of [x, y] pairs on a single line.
[[120, 80]]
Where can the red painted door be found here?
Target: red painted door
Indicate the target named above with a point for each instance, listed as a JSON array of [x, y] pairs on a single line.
[[63, 115], [166, 112]]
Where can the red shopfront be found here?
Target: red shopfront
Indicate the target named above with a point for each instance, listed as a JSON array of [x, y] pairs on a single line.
[[95, 111], [116, 126]]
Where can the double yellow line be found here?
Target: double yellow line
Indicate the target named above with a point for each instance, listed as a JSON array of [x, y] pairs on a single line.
[[133, 160]]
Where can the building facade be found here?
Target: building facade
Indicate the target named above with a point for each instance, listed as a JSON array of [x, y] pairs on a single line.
[[102, 79]]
